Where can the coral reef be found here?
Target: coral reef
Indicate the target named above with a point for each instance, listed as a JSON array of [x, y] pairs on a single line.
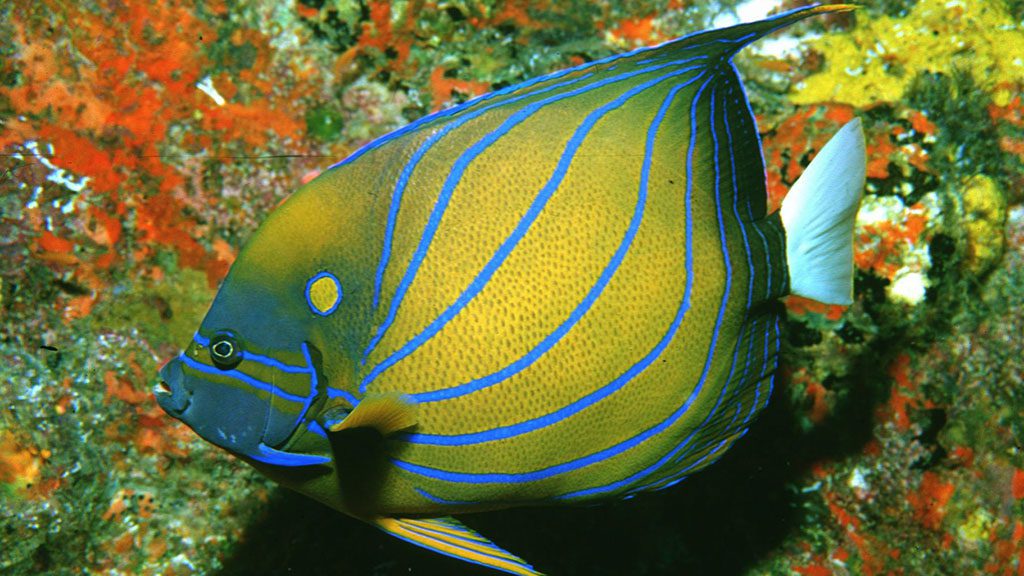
[[142, 142]]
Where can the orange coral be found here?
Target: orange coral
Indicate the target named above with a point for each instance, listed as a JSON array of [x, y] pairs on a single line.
[[379, 33], [800, 306], [637, 31], [929, 501], [105, 93], [514, 11], [868, 549], [878, 247], [1017, 484], [902, 395], [442, 87]]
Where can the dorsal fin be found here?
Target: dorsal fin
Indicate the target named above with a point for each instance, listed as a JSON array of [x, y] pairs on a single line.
[[385, 413], [450, 537], [733, 38]]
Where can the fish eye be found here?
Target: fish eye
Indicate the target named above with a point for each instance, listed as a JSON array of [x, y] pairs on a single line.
[[225, 351]]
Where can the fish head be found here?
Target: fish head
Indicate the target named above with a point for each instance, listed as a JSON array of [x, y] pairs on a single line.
[[248, 380], [252, 380]]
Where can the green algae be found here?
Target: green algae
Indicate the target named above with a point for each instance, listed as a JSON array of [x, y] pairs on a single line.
[[324, 123], [167, 310], [966, 141]]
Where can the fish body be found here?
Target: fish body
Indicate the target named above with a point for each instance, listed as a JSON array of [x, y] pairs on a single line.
[[560, 292]]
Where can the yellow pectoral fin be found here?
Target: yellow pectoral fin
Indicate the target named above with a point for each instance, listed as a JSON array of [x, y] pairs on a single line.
[[387, 413], [450, 537]]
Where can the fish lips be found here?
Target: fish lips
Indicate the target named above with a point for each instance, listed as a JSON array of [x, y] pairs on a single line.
[[170, 392]]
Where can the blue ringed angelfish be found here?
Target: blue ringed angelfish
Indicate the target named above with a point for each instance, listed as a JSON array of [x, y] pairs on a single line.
[[560, 292]]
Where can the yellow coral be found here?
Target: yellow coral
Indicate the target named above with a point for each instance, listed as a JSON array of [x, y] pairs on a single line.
[[875, 62], [984, 207], [977, 528]]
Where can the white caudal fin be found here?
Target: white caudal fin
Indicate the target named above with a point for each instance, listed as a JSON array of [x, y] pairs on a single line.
[[818, 215]]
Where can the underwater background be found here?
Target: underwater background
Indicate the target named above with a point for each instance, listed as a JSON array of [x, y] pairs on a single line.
[[142, 142]]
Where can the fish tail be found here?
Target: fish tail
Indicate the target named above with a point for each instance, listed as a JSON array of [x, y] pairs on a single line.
[[734, 38], [818, 215]]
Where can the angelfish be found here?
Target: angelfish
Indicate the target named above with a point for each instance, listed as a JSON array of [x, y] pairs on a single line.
[[559, 292]]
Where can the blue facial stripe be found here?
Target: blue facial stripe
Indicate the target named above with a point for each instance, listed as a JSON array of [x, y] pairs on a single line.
[[313, 383], [599, 394], [259, 358], [410, 166], [241, 377], [257, 383], [452, 181], [614, 450]]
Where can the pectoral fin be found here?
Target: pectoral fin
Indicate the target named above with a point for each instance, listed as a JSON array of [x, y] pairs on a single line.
[[386, 413], [450, 537]]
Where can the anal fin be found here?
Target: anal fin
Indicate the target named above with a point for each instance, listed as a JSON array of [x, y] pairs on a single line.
[[450, 537]]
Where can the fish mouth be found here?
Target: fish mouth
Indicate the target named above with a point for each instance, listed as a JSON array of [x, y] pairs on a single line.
[[170, 390]]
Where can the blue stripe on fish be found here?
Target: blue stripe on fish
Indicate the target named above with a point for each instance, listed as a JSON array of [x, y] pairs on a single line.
[[241, 377], [658, 465], [420, 253], [736, 197], [339, 393], [496, 260], [599, 394], [265, 360], [584, 306], [521, 246], [439, 500], [410, 166], [458, 169], [760, 209], [438, 546], [614, 450]]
